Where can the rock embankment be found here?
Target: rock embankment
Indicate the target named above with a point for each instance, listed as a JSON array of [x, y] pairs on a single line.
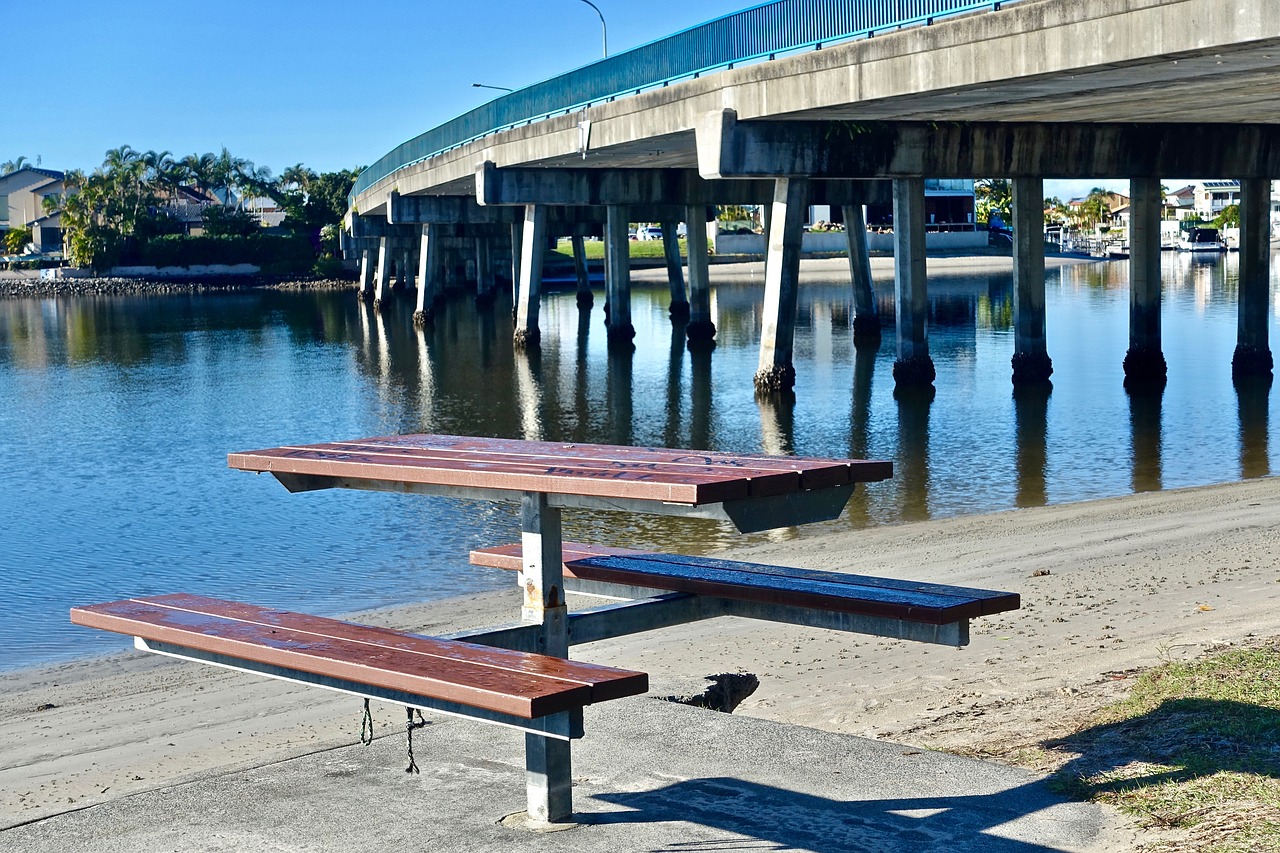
[[44, 288]]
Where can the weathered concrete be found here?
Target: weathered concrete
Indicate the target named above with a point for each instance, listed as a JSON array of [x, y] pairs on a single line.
[[914, 365], [776, 374], [366, 274], [866, 316], [957, 149], [651, 775], [529, 298], [1031, 362], [679, 307], [1253, 353], [1144, 363], [617, 260], [1097, 62], [701, 329], [585, 298]]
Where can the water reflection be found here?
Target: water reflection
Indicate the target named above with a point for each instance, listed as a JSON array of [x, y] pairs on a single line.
[[1031, 420], [122, 411], [1255, 460]]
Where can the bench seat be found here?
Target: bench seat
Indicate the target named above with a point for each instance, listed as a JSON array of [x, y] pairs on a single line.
[[520, 684], [838, 592]]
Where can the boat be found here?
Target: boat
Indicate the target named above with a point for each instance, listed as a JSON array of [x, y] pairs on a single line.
[[1201, 240]]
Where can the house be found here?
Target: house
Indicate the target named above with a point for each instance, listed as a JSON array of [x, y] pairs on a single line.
[[1212, 196], [22, 195], [949, 205]]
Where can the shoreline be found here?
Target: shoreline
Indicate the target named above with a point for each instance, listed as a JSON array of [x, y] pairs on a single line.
[[1108, 586], [729, 270]]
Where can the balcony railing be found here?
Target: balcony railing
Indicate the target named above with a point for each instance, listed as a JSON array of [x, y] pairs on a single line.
[[757, 34]]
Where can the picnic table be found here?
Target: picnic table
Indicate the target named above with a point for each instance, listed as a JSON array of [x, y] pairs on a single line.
[[520, 675]]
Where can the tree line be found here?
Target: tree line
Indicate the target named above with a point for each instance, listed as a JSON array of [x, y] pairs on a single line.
[[135, 196]]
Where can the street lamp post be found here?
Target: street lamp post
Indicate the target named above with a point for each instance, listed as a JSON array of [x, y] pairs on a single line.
[[487, 86], [604, 28]]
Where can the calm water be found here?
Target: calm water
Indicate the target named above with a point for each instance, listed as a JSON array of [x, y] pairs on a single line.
[[117, 415]]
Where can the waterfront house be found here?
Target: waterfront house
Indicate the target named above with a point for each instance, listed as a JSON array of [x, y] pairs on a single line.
[[22, 195]]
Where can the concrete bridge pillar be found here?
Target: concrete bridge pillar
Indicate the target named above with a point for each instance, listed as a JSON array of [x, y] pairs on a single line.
[[776, 375], [1253, 353], [585, 298], [428, 267], [617, 252], [517, 240], [1144, 363], [866, 318], [914, 366], [701, 328], [384, 271], [1031, 362], [405, 267], [679, 307], [366, 275], [529, 300], [486, 287]]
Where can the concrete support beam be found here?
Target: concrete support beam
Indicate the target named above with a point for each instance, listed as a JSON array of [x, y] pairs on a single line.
[[701, 328], [647, 188], [445, 210], [428, 274], [851, 150], [365, 292], [866, 316], [405, 268], [384, 272], [529, 298], [1253, 352], [776, 374], [585, 298], [913, 367], [1031, 362], [1144, 363], [679, 307], [617, 259], [517, 242], [486, 284]]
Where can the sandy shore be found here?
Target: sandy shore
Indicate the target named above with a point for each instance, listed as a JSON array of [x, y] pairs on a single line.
[[1107, 586]]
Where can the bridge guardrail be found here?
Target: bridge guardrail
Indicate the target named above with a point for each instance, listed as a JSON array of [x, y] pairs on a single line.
[[755, 34]]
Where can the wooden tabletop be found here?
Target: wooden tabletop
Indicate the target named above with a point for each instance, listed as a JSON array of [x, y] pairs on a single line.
[[687, 477]]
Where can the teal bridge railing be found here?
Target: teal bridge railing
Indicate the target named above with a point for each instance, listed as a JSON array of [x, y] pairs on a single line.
[[759, 33]]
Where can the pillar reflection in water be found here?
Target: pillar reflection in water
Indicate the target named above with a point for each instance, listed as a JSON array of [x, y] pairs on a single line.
[[581, 385], [618, 394], [1031, 419], [911, 467], [1254, 398], [1145, 406], [529, 391], [700, 435], [426, 385], [866, 347], [675, 382], [777, 425]]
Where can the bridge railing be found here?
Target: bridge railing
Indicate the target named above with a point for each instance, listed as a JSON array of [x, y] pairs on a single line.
[[759, 33]]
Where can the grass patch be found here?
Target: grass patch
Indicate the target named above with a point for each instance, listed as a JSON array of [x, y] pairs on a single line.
[[1195, 747], [649, 249]]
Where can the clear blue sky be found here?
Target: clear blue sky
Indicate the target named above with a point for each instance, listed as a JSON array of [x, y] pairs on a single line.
[[329, 83]]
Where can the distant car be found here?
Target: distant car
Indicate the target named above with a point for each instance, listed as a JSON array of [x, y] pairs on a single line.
[[649, 232]]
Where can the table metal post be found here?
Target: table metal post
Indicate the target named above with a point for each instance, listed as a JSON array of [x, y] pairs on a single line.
[[548, 767]]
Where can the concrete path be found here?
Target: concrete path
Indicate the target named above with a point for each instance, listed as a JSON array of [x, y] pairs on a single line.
[[650, 776]]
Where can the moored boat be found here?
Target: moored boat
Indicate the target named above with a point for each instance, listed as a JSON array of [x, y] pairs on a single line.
[[1201, 240]]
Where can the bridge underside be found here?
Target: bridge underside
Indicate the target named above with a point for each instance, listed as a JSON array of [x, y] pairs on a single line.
[[1133, 89]]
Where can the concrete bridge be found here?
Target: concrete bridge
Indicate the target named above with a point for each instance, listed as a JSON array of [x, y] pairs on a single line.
[[795, 103]]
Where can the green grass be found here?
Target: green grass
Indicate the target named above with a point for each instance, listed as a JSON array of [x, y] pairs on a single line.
[[650, 249], [1196, 747]]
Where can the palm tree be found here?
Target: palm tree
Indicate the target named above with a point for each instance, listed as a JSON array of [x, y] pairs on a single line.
[[10, 166]]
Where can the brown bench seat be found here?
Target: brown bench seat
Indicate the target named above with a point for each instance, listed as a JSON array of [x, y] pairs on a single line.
[[785, 587], [519, 684]]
